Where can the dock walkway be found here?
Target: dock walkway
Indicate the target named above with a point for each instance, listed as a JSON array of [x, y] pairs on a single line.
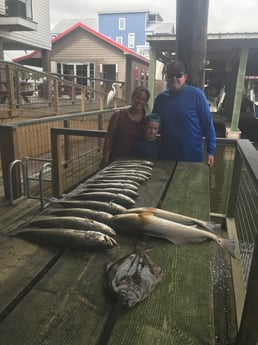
[[50, 296]]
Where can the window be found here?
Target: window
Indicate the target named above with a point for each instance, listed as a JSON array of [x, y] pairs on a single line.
[[19, 8], [119, 39], [29, 9], [131, 40], [121, 23]]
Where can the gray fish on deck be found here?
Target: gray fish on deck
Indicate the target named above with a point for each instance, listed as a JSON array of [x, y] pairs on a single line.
[[119, 176], [125, 167], [113, 183], [132, 278], [110, 179], [125, 191], [148, 224], [99, 216], [143, 173], [125, 172], [109, 207], [67, 238], [118, 198], [174, 217], [134, 162], [72, 222]]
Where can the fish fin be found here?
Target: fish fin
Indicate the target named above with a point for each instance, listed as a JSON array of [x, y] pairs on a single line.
[[228, 245], [145, 214], [211, 226], [53, 199]]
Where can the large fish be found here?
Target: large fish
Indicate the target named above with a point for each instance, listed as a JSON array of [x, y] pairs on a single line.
[[68, 238], [132, 278], [174, 217], [119, 176], [128, 171], [113, 183], [118, 198], [125, 191], [116, 179], [148, 224], [99, 216], [135, 162], [125, 167], [71, 222], [109, 207]]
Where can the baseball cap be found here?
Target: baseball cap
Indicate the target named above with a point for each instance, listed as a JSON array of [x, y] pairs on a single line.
[[153, 117], [175, 68]]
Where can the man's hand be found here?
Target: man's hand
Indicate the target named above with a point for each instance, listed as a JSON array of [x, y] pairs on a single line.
[[210, 161]]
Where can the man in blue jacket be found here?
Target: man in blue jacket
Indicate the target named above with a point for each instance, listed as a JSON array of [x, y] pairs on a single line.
[[185, 119]]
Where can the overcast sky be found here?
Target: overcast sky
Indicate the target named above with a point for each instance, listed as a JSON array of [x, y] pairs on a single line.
[[224, 15]]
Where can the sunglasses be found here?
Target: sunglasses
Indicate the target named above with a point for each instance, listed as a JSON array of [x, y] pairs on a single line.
[[171, 75]]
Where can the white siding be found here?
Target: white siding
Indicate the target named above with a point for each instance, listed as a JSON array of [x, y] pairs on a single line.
[[36, 39], [2, 7]]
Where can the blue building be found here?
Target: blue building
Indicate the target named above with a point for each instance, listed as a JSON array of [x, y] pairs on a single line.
[[130, 28]]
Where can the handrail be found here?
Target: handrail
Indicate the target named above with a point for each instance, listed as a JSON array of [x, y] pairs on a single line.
[[64, 82], [20, 162], [48, 164]]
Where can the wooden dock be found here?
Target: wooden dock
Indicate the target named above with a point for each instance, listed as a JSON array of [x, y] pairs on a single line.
[[57, 297]]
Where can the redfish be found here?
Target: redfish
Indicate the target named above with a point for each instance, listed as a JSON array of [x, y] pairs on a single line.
[[148, 224], [174, 217]]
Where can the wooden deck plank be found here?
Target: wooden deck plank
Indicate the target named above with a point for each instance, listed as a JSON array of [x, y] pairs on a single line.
[[180, 310], [69, 304], [22, 264]]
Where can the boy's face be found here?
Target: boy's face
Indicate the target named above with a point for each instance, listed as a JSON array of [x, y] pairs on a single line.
[[151, 130]]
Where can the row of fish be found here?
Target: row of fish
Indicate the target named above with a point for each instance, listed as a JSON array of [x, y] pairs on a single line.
[[107, 208], [82, 219]]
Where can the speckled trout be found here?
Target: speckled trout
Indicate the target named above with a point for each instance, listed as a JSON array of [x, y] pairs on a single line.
[[118, 198], [72, 222], [174, 217], [149, 224], [67, 238], [99, 216], [110, 207]]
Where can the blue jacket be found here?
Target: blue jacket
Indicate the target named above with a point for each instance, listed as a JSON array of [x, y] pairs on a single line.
[[185, 120]]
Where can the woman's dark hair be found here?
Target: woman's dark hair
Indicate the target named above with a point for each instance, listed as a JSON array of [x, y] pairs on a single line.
[[141, 88]]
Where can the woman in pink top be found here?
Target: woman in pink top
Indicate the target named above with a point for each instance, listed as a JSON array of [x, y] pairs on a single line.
[[125, 128]]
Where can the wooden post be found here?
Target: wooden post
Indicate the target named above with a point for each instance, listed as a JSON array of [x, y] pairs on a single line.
[[11, 91], [57, 181], [191, 35], [83, 99], [56, 99], [239, 89], [152, 73], [8, 150], [46, 64]]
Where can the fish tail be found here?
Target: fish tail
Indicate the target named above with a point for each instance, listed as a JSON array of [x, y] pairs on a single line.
[[228, 245], [211, 226]]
